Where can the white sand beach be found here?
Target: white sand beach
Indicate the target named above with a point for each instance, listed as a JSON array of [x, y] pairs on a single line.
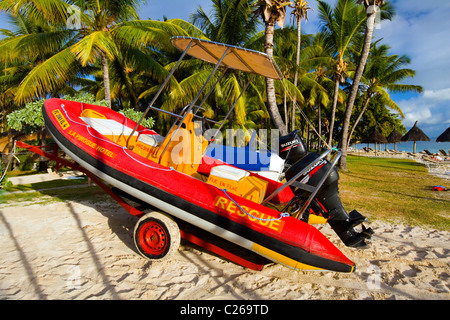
[[84, 250]]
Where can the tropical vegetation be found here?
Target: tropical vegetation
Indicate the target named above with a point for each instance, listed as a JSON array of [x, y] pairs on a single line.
[[336, 87]]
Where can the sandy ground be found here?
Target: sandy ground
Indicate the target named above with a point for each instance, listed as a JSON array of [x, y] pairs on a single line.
[[83, 250]]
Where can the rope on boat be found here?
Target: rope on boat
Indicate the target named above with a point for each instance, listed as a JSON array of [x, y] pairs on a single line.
[[124, 148], [282, 214], [144, 164]]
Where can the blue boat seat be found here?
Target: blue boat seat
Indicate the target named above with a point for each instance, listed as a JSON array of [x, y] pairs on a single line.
[[263, 162]]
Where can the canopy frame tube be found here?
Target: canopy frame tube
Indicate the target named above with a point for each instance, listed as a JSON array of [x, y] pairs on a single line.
[[196, 98], [160, 90]]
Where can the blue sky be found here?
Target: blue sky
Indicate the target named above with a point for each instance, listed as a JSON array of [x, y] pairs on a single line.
[[420, 29]]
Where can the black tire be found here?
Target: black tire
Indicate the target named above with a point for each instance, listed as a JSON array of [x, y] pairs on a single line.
[[156, 236]]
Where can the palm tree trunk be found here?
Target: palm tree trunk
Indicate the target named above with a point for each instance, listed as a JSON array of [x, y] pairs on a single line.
[[297, 61], [358, 119], [106, 79], [333, 111], [355, 85], [270, 83], [286, 114], [320, 126]]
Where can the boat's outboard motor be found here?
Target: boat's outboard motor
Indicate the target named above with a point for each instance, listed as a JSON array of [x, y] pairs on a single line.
[[326, 203], [292, 148]]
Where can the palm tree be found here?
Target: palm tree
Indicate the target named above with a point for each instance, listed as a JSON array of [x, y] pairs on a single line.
[[231, 22], [104, 29], [319, 95], [379, 116], [14, 69], [272, 11], [340, 26], [18, 63], [383, 73], [300, 12], [284, 53], [312, 89], [87, 44], [372, 8]]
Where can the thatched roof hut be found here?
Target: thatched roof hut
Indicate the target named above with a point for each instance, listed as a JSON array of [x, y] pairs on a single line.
[[376, 137], [445, 136], [415, 134], [394, 137]]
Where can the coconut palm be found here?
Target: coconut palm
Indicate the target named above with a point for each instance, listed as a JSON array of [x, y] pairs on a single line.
[[272, 12], [284, 54], [15, 70], [231, 22], [372, 8], [341, 27], [382, 74], [316, 57], [102, 29], [300, 12], [18, 63]]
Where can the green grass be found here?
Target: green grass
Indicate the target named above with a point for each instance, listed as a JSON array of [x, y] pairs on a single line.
[[395, 190], [46, 185], [48, 191]]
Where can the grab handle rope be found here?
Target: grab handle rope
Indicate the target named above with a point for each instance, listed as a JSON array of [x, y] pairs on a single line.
[[125, 150]]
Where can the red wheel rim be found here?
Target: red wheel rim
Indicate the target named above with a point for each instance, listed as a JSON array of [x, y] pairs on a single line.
[[153, 238]]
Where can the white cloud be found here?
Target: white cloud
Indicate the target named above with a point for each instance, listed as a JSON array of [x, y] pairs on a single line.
[[440, 95], [420, 30], [431, 110]]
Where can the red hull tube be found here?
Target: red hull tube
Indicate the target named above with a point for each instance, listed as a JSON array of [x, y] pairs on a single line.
[[265, 231]]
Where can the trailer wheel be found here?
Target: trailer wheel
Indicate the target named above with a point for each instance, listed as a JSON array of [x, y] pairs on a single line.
[[156, 236]]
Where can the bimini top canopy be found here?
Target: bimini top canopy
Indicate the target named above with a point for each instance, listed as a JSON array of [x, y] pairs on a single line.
[[237, 58]]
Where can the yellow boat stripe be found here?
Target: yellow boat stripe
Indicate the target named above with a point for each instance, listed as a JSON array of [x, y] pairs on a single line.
[[272, 255]]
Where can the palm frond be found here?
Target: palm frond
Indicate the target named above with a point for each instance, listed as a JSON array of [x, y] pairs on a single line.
[[403, 88], [386, 99], [232, 90], [191, 29], [137, 34], [28, 46], [186, 91], [88, 49], [200, 18], [53, 11], [292, 91], [48, 75]]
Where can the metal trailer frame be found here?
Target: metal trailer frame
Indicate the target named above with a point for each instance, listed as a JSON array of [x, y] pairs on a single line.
[[189, 233]]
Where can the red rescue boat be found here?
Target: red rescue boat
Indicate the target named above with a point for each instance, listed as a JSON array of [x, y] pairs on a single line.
[[178, 175]]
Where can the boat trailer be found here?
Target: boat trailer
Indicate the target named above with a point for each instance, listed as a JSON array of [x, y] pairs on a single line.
[[188, 232]]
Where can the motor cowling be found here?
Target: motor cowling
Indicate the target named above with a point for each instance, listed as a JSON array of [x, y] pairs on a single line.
[[327, 202], [292, 147]]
